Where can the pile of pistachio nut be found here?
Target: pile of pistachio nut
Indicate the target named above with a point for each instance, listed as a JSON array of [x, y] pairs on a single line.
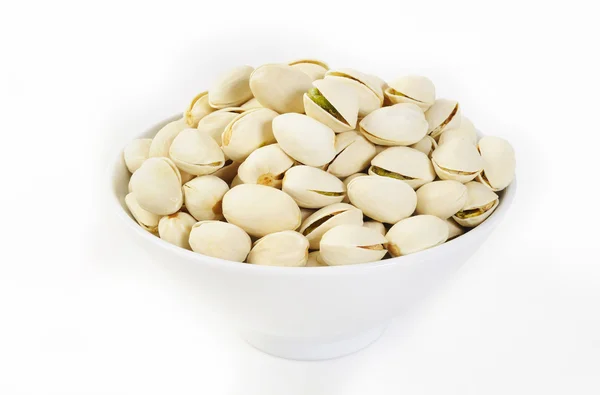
[[301, 165]]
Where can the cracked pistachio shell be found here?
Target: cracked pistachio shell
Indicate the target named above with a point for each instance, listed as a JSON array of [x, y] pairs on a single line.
[[252, 103], [368, 89], [228, 172], [314, 260], [214, 124], [232, 88], [466, 130], [351, 244], [164, 138], [304, 139], [457, 160], [353, 154], [400, 124], [441, 198], [347, 181], [196, 153], [444, 114], [403, 163], [383, 199], [198, 109], [413, 89], [313, 188], [498, 162], [426, 145], [481, 203], [248, 131], [315, 69], [265, 166], [454, 229], [280, 87], [416, 234], [176, 228], [146, 219], [220, 240], [315, 226], [377, 226], [203, 197], [260, 210], [135, 153], [341, 98], [286, 248], [157, 186]]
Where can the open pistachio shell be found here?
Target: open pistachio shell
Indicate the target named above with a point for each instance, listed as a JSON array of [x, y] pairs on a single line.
[[135, 153], [203, 196], [220, 240], [403, 163], [315, 69], [413, 89], [280, 87], [164, 138], [347, 181], [400, 124], [351, 244], [146, 219], [466, 130], [198, 109], [383, 199], [260, 210], [196, 153], [481, 203], [314, 260], [457, 160], [441, 198], [176, 228], [304, 139], [498, 162], [415, 234], [313, 188], [426, 145], [332, 103], [265, 166], [247, 132], [228, 172], [315, 226], [375, 225], [454, 229], [157, 186], [442, 115], [214, 124], [353, 154], [232, 88], [252, 103], [368, 89], [285, 248]]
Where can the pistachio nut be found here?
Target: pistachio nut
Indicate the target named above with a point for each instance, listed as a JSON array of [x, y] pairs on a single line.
[[165, 136], [315, 226], [351, 244], [454, 229], [314, 260], [228, 172], [416, 234], [198, 109], [383, 199], [347, 181], [203, 197], [481, 203], [280, 87], [157, 186], [285, 248], [444, 114], [214, 124], [426, 145], [146, 219], [313, 188], [379, 81], [400, 124], [353, 154], [236, 181], [232, 88], [333, 103], [466, 130], [252, 103], [315, 69], [220, 240], [368, 89], [403, 163], [135, 153], [196, 153], [457, 160], [265, 166], [260, 210], [304, 139], [498, 162], [413, 89], [248, 131], [441, 198], [375, 225], [176, 228]]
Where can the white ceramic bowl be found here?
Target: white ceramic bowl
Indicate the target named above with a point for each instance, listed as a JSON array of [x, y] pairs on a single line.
[[311, 313]]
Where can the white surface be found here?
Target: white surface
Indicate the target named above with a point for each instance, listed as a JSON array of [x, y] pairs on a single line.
[[80, 314]]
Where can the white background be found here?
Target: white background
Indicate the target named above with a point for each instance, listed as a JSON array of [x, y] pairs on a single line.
[[84, 311]]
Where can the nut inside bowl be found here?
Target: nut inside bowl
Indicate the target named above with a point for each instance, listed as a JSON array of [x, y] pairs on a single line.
[[310, 313]]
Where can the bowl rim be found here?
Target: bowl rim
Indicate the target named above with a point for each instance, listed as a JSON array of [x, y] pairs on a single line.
[[463, 241]]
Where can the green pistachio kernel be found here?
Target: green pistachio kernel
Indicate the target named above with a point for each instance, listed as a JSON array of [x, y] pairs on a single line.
[[386, 173], [315, 95]]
